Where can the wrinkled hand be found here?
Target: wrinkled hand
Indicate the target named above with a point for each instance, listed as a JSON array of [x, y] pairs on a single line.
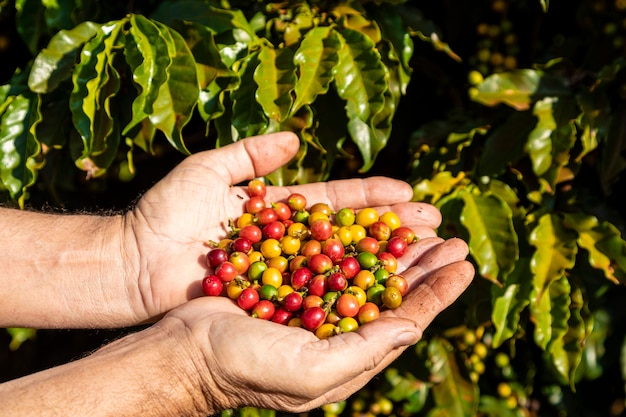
[[252, 362], [172, 222]]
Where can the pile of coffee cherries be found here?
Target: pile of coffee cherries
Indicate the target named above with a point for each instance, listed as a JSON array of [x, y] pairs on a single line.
[[309, 266]]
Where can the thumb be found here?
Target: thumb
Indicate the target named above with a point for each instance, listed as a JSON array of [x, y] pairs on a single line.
[[249, 158]]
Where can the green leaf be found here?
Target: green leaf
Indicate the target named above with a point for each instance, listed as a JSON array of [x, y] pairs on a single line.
[[20, 335], [361, 80], [493, 240], [58, 13], [148, 56], [453, 395], [514, 89], [603, 243], [275, 77], [216, 19], [613, 161], [178, 96], [505, 144], [559, 293], [440, 184], [164, 71], [509, 300], [248, 116], [54, 63], [389, 18], [555, 253], [316, 58], [553, 137], [95, 83], [20, 150], [30, 23]]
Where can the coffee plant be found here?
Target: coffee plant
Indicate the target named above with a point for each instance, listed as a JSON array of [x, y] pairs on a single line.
[[507, 115]]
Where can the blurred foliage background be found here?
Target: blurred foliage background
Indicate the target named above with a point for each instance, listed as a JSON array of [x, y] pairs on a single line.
[[508, 115]]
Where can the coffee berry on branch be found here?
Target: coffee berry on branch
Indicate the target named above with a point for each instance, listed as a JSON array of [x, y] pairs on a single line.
[[308, 266]]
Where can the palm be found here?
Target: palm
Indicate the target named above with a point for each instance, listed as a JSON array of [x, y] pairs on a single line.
[[174, 220], [291, 368]]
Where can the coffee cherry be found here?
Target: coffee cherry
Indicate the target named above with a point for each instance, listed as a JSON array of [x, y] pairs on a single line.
[[391, 297], [313, 318], [264, 310], [309, 267], [215, 257], [248, 298], [212, 285]]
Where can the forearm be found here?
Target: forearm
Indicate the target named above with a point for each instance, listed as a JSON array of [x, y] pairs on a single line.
[[64, 270], [154, 372]]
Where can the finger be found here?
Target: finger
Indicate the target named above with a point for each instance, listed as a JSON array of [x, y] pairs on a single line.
[[416, 251], [378, 192], [435, 293], [251, 157], [431, 259], [416, 214], [420, 308]]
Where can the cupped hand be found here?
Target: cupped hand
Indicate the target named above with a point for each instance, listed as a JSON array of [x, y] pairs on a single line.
[[170, 225], [252, 362]]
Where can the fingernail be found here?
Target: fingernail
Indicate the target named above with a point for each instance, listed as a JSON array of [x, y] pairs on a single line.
[[406, 339]]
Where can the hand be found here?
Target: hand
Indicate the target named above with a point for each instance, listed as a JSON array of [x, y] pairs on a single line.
[[252, 362], [192, 204]]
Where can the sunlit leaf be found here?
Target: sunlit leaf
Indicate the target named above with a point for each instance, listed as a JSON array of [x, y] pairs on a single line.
[[509, 300], [453, 395], [19, 148], [559, 293], [275, 76], [148, 56], [493, 240], [440, 184], [603, 243], [54, 63], [360, 78], [555, 253], [316, 58], [95, 83]]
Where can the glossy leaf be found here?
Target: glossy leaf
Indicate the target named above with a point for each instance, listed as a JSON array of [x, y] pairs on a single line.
[[30, 23], [54, 63], [248, 116], [316, 58], [603, 243], [148, 56], [360, 78], [555, 253], [509, 300], [394, 31], [275, 77], [492, 237], [95, 83], [19, 148], [440, 184], [559, 293], [453, 395], [178, 96], [512, 88], [59, 14]]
